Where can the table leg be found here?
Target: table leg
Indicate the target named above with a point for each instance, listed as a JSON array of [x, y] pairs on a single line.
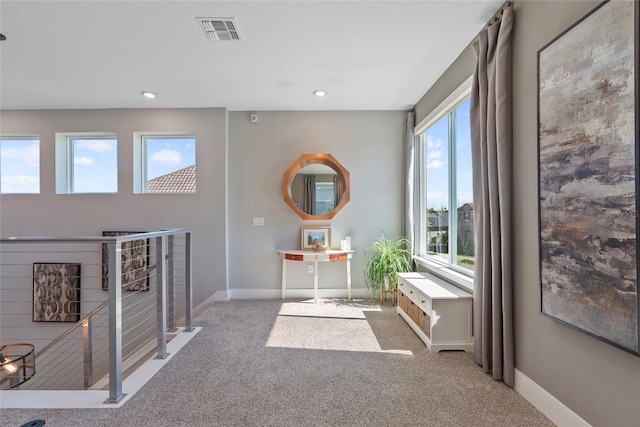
[[348, 278], [284, 276], [315, 279]]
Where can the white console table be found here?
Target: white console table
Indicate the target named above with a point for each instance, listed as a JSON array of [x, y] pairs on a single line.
[[315, 257], [438, 312]]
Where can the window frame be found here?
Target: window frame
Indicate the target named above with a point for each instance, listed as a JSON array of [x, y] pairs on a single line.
[[446, 269], [64, 152], [26, 137], [140, 181]]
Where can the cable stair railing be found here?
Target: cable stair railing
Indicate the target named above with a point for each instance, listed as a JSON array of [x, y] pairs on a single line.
[[99, 350], [86, 323], [56, 348]]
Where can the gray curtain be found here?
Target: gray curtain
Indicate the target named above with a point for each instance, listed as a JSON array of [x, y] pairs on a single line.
[[309, 201], [408, 170], [338, 190], [491, 140]]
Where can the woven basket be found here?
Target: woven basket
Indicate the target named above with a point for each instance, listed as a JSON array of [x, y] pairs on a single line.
[[414, 313], [402, 301], [425, 323]]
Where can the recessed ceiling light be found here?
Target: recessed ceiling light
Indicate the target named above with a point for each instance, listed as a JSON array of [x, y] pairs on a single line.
[[320, 92], [148, 94]]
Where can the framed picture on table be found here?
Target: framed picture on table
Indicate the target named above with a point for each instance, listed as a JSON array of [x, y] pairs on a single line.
[[314, 237]]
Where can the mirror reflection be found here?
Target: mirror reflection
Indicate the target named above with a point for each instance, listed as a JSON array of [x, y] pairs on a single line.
[[316, 186], [317, 189]]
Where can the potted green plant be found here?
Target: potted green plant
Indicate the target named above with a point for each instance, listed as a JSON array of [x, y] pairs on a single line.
[[383, 260]]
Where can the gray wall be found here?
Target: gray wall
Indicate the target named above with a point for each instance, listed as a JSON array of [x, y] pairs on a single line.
[[456, 74], [50, 214], [368, 144], [597, 381]]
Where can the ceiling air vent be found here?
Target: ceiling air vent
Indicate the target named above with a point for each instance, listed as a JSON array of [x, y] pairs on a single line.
[[219, 28]]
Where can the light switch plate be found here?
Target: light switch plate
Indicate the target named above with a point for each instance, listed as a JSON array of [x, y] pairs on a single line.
[[258, 221]]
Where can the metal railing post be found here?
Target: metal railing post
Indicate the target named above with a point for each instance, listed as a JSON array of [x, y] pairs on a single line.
[[171, 321], [187, 284], [87, 337], [161, 296], [115, 322]]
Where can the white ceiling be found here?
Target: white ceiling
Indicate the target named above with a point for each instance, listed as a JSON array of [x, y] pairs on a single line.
[[369, 55]]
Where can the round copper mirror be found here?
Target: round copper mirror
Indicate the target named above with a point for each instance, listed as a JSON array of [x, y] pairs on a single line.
[[316, 186]]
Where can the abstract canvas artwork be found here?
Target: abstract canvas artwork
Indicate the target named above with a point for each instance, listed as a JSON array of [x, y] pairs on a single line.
[[588, 180], [56, 292], [135, 260]]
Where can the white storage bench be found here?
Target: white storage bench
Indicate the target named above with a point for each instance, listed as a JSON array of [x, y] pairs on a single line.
[[438, 312]]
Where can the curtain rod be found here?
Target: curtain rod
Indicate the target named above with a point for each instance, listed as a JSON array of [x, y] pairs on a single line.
[[498, 15]]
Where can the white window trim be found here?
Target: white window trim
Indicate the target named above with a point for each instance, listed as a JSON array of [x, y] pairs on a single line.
[[451, 273], [140, 157], [64, 158], [458, 95]]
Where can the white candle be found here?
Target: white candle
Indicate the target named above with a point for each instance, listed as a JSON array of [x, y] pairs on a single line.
[[348, 240]]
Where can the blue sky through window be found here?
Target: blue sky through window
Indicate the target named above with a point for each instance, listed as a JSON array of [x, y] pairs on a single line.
[[95, 165], [169, 154], [464, 172], [94, 162], [20, 165], [437, 160]]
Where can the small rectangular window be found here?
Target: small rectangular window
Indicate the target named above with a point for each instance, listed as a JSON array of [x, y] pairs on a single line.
[[19, 165], [86, 163], [164, 163]]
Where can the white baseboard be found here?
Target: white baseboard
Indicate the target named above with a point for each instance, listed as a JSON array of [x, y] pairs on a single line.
[[546, 403], [296, 293]]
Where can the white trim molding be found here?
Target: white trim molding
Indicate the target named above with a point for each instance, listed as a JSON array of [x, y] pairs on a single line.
[[546, 403], [460, 93]]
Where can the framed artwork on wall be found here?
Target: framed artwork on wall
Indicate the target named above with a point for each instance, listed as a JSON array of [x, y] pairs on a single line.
[[314, 237], [56, 292], [588, 175], [135, 260]]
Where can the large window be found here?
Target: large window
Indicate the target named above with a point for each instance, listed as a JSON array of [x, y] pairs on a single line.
[[446, 220], [86, 163], [164, 163], [19, 164]]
